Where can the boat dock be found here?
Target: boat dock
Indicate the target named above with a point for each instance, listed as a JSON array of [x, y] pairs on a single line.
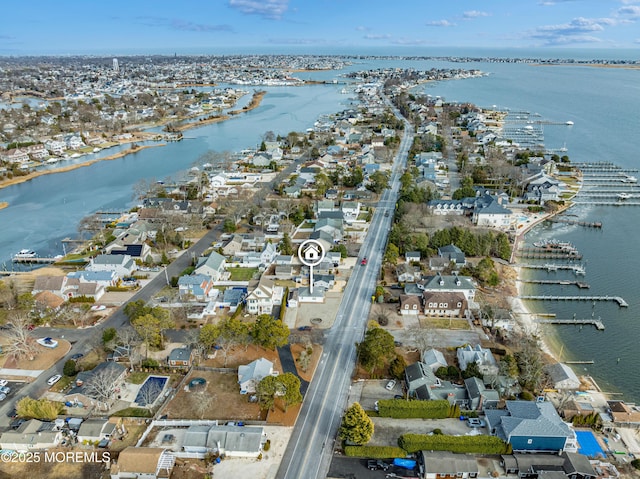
[[555, 267], [621, 302], [542, 253], [588, 224], [35, 260], [597, 323], [579, 284]]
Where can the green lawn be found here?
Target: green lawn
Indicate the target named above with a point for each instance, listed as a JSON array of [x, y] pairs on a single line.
[[137, 377], [242, 274]]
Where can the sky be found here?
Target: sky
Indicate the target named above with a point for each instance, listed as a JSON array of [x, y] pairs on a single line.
[[45, 27]]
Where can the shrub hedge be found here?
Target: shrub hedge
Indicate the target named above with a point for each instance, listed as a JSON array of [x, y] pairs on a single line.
[[401, 409], [464, 444], [374, 452]]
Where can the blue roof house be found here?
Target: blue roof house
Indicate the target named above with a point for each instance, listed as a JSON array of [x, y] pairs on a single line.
[[532, 427]]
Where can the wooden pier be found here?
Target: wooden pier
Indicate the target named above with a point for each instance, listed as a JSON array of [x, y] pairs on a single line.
[[36, 260], [555, 267], [548, 253], [588, 224], [597, 323], [621, 302], [579, 284]]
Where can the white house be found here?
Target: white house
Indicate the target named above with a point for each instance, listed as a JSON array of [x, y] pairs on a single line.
[[32, 435], [479, 355], [122, 264], [262, 299], [212, 266], [251, 374]]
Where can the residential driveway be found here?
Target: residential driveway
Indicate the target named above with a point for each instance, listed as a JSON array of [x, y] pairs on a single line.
[[325, 311], [374, 390]]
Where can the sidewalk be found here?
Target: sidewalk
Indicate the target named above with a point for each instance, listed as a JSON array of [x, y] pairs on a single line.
[[32, 373]]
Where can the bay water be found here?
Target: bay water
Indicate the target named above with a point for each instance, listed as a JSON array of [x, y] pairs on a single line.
[[602, 102]]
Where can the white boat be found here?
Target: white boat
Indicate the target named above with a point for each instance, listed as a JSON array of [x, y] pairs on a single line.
[[25, 254], [624, 196], [568, 123], [629, 179]]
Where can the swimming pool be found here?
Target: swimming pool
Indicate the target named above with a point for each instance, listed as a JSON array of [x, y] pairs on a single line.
[[588, 444], [150, 390]]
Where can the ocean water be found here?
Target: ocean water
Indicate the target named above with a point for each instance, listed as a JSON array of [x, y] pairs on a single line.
[[602, 102]]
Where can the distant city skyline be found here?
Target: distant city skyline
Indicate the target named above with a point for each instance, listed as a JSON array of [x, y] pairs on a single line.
[[143, 26]]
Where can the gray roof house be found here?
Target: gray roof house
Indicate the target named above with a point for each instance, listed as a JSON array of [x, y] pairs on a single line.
[[438, 464], [562, 376], [92, 430], [251, 374], [122, 264], [480, 398], [569, 464], [449, 283], [32, 435], [452, 253], [423, 384], [236, 441], [434, 359], [212, 265], [479, 355], [531, 427]]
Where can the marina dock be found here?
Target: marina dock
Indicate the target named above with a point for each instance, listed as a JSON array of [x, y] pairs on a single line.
[[36, 260], [588, 224], [597, 323], [579, 284], [555, 267], [621, 302], [542, 253]]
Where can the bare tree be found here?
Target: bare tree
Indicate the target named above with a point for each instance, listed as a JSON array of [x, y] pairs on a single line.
[[425, 337], [102, 386], [201, 402], [128, 338], [20, 343]]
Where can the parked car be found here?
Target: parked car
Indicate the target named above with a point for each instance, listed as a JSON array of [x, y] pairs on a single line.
[[5, 389], [12, 414], [375, 464], [376, 406], [3, 382], [54, 379], [3, 396], [390, 385], [304, 328], [77, 356], [475, 422]]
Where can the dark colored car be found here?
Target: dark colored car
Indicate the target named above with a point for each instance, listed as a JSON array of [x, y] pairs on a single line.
[[375, 464], [304, 328], [77, 356]]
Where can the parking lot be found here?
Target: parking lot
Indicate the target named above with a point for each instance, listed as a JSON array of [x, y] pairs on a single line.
[[14, 393], [356, 468]]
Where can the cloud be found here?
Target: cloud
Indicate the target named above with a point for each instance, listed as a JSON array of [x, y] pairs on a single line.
[[548, 3], [578, 30], [362, 29], [632, 11], [410, 41], [440, 23], [271, 9], [474, 14], [297, 41], [377, 36], [183, 25]]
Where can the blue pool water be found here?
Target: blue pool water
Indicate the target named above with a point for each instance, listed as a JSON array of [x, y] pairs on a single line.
[[588, 444], [150, 390]]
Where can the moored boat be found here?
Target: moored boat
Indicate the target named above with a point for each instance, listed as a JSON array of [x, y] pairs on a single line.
[[25, 254]]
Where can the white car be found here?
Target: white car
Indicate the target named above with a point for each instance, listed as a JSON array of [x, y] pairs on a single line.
[[390, 385], [3, 382], [54, 379]]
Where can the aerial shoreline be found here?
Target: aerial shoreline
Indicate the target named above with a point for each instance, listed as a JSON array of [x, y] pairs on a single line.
[[255, 102]]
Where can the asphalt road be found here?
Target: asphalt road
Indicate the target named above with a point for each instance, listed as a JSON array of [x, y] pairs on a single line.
[[81, 339], [310, 448]]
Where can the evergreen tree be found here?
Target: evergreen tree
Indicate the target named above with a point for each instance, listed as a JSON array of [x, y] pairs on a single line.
[[356, 427]]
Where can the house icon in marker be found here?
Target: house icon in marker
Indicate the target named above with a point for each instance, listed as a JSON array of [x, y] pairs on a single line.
[[311, 252]]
